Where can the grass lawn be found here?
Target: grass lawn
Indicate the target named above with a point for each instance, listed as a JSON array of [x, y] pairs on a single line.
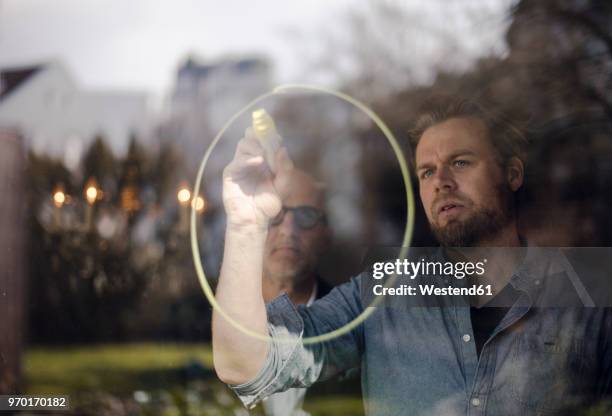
[[146, 379], [114, 368], [131, 379]]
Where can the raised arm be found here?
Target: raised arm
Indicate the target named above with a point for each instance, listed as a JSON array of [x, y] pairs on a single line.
[[251, 195]]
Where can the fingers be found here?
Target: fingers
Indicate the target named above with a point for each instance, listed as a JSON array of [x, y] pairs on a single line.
[[247, 167], [268, 201], [249, 157], [249, 145]]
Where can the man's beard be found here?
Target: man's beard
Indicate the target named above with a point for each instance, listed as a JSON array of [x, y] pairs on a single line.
[[483, 225], [285, 270]]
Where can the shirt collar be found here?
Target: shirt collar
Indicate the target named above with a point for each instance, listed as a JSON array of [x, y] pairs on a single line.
[[538, 264], [313, 295]]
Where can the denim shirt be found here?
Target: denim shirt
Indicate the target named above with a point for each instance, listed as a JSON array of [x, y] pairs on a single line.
[[422, 360]]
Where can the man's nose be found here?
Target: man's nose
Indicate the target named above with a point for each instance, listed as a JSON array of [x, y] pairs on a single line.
[[288, 226], [444, 180]]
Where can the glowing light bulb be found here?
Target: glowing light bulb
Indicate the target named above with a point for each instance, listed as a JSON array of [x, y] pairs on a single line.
[[91, 193], [183, 196], [59, 197], [198, 204]]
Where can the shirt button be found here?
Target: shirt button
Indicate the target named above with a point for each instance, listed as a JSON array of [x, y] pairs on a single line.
[[537, 282], [475, 402], [467, 338]]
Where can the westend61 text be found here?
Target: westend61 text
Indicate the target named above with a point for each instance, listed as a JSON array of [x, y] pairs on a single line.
[[432, 290]]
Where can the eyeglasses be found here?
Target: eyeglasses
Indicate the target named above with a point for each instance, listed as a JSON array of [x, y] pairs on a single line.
[[305, 216]]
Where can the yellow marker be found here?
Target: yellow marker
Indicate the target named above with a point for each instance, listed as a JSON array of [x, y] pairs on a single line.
[[266, 133]]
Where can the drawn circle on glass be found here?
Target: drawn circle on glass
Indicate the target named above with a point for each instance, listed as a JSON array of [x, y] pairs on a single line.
[[406, 240]]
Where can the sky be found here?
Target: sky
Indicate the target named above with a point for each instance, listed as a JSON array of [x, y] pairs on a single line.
[[138, 44]]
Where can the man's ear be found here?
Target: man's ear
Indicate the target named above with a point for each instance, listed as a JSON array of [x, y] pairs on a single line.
[[515, 172]]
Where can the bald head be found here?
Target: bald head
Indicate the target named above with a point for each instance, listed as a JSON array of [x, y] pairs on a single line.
[[303, 189]]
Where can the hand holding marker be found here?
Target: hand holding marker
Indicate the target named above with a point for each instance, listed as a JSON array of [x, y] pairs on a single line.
[[266, 133]]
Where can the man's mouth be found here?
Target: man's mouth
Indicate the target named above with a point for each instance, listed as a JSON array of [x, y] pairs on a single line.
[[285, 249], [449, 208]]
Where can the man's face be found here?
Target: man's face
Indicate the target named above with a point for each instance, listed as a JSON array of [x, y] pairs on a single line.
[[465, 192], [291, 251]]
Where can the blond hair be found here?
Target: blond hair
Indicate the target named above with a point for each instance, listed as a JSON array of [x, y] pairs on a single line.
[[507, 139]]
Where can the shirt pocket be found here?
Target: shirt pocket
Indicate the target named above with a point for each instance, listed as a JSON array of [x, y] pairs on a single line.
[[546, 372]]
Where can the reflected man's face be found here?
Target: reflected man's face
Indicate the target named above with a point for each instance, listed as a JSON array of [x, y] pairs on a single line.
[[464, 191], [292, 252]]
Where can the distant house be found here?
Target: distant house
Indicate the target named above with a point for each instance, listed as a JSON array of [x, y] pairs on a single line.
[[206, 95], [58, 117], [219, 87]]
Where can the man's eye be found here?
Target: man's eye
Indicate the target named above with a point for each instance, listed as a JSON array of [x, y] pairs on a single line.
[[461, 163], [426, 174]]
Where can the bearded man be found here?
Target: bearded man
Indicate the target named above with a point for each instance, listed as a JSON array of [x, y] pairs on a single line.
[[516, 352]]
